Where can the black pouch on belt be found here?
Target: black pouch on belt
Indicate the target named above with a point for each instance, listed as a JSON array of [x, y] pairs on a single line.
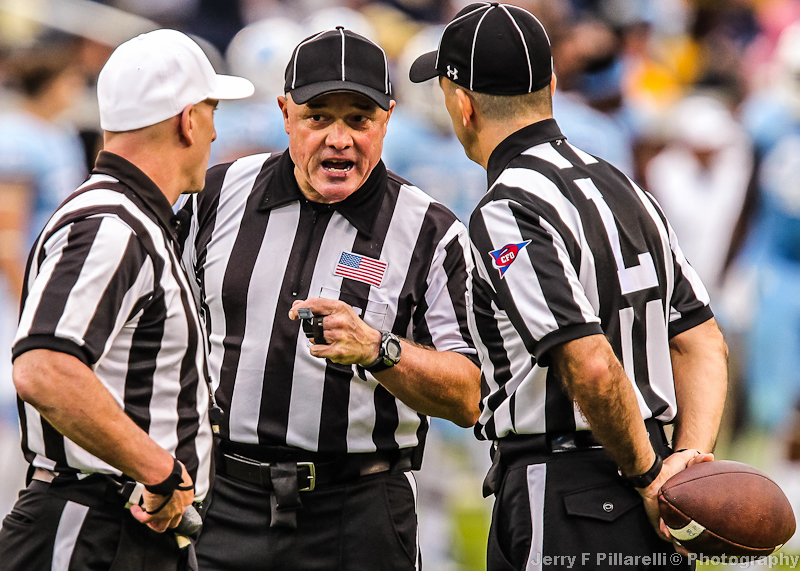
[[285, 496]]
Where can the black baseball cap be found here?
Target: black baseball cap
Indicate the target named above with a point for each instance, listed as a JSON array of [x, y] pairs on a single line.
[[338, 60], [491, 48]]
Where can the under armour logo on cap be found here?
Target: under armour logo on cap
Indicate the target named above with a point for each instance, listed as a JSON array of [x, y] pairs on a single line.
[[492, 48]]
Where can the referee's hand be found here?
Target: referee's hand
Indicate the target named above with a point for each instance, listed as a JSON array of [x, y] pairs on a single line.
[[350, 340], [673, 464], [170, 515]]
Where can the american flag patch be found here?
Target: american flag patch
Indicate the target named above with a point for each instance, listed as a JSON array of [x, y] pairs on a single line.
[[360, 268]]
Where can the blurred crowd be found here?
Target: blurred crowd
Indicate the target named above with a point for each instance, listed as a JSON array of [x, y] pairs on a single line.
[[697, 101]]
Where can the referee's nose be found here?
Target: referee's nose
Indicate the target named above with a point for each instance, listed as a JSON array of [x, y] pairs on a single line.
[[339, 136]]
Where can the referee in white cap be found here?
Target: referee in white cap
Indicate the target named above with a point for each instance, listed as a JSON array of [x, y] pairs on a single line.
[[593, 329], [109, 357]]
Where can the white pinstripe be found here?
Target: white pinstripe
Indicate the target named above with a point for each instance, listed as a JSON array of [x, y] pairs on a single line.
[[69, 527], [472, 53], [525, 45], [297, 54], [537, 474]]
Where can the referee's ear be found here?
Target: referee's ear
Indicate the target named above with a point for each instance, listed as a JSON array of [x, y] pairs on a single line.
[[185, 125], [466, 107]]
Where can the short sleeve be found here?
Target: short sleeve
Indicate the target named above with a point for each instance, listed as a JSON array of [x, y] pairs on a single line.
[[529, 257], [87, 281], [689, 305]]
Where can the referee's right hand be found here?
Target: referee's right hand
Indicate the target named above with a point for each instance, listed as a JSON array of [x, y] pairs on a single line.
[[170, 515]]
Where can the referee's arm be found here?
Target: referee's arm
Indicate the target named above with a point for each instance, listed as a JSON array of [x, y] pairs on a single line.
[[596, 380], [73, 400], [445, 384], [700, 369]]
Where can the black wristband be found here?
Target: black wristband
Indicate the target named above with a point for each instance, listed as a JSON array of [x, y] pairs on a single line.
[[644, 480], [172, 482]]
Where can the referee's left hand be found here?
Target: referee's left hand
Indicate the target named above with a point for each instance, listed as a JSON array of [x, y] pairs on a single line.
[[350, 339], [673, 464], [170, 513]]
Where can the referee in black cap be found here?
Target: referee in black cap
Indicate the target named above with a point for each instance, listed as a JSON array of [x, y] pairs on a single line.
[[593, 329], [325, 420]]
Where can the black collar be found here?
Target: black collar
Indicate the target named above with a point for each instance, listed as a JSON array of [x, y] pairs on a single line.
[[527, 137], [142, 185], [360, 208]]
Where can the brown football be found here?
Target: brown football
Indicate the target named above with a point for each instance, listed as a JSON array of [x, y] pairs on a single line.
[[725, 507]]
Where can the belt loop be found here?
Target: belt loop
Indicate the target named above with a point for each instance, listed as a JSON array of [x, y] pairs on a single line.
[[285, 498]]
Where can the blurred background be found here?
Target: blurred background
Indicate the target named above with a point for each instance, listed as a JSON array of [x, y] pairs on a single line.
[[698, 101]]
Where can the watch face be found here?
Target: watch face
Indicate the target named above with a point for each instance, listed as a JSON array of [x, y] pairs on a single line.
[[393, 350]]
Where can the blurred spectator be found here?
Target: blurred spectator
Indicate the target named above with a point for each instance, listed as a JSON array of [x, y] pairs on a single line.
[[41, 157], [330, 17], [772, 245], [588, 104], [259, 52], [700, 179]]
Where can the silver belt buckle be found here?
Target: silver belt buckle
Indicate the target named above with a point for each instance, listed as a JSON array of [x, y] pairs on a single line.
[[312, 476]]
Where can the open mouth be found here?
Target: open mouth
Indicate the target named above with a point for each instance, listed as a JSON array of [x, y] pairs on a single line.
[[337, 165]]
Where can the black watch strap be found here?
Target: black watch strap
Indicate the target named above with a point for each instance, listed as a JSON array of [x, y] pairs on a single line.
[[644, 480], [170, 484]]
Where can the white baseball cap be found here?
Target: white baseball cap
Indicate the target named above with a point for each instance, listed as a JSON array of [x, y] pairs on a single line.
[[153, 76]]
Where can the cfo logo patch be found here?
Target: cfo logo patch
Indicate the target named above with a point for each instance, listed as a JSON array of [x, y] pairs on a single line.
[[504, 257]]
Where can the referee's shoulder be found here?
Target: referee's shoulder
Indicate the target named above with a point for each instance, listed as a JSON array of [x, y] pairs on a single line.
[[234, 176]]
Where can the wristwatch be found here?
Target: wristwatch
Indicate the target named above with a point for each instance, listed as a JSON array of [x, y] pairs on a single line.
[[388, 353], [644, 480]]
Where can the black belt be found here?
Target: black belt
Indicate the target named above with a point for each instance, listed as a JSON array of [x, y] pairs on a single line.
[[557, 442], [98, 491], [286, 472], [310, 474], [516, 449]]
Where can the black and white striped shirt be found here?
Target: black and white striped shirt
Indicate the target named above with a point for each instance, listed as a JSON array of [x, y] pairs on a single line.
[[566, 246], [105, 284], [256, 245]]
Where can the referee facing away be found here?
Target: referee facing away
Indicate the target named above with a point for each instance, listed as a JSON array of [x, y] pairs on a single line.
[[109, 358], [592, 328], [319, 436]]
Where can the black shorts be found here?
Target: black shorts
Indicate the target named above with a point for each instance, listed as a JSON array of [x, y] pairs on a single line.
[[571, 510], [46, 531], [365, 525]]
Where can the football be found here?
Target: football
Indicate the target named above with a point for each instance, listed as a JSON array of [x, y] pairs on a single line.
[[725, 507]]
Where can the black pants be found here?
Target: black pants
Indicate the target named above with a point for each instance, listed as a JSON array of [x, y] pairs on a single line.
[[45, 531], [367, 525], [571, 510]]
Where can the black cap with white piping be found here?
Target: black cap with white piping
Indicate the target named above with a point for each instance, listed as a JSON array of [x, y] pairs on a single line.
[[338, 60], [491, 48]]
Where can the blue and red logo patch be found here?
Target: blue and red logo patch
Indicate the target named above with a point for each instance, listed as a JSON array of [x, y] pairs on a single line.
[[505, 256]]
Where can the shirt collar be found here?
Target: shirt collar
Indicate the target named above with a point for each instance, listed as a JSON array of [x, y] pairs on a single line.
[[360, 208], [142, 185], [522, 140]]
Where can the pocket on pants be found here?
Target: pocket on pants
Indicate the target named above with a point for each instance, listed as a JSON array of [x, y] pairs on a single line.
[[605, 503], [401, 507], [510, 534]]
